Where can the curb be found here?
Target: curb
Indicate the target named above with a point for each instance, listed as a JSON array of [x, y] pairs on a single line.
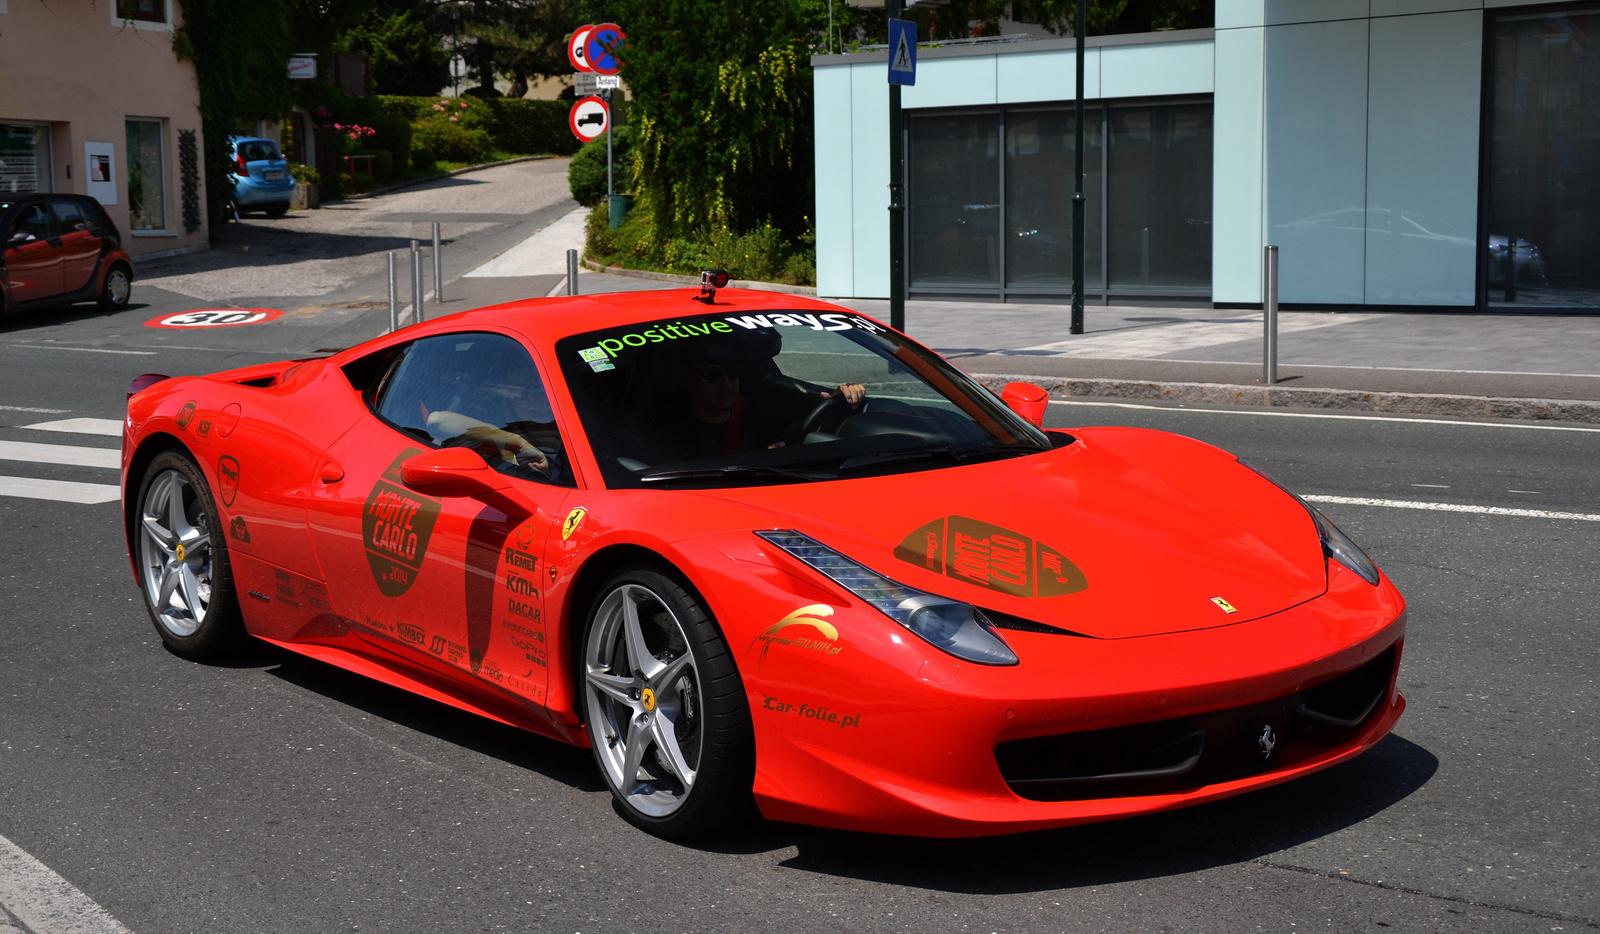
[[413, 182], [1349, 400], [593, 266]]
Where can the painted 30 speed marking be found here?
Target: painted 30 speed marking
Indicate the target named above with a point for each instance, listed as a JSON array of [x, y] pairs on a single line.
[[215, 318]]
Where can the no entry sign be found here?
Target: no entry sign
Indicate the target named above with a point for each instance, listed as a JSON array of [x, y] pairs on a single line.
[[215, 318], [589, 118]]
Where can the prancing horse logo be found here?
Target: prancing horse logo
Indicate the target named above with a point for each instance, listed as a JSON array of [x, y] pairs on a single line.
[[1268, 741]]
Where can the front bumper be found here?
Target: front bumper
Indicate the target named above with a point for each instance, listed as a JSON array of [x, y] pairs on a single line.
[[876, 731]]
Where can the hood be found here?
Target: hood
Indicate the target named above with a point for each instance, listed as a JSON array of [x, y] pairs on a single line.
[[1126, 532]]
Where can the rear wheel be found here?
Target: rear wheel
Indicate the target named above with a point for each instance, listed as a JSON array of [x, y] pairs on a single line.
[[277, 209], [182, 553], [666, 711], [117, 287]]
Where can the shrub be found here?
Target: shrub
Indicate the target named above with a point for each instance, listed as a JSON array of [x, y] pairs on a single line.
[[527, 127], [305, 174], [586, 175], [452, 142], [383, 165], [393, 136], [347, 184], [423, 159], [757, 254]]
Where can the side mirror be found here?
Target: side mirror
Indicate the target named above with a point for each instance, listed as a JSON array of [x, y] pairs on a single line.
[[18, 237], [1027, 400], [451, 472]]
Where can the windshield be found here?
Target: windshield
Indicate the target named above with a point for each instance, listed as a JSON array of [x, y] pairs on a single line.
[[777, 397], [259, 150]]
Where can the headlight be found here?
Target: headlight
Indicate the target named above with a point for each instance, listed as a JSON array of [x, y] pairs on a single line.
[[1335, 544], [958, 628]]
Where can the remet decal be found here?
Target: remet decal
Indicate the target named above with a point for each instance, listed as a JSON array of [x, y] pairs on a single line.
[[396, 526], [993, 557]]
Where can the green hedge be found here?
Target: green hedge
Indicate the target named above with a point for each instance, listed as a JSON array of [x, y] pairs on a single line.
[[513, 125]]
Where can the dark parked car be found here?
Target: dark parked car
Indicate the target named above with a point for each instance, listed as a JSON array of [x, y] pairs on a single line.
[[56, 249]]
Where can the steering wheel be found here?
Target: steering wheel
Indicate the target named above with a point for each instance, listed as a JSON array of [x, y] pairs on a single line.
[[822, 408]]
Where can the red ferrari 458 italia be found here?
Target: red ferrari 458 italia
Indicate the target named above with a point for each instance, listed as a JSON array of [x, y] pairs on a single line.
[[760, 549]]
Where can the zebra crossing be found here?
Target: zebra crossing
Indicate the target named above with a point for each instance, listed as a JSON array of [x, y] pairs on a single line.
[[27, 462]]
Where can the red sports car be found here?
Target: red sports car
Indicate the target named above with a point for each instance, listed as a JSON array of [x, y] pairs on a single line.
[[761, 549]]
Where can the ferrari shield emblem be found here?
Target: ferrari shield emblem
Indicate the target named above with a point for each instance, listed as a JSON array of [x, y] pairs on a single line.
[[571, 523], [1224, 605]]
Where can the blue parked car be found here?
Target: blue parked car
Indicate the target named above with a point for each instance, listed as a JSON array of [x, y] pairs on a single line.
[[261, 179]]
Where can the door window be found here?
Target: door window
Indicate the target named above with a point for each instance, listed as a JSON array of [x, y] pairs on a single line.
[[36, 222], [479, 391], [70, 215], [24, 158]]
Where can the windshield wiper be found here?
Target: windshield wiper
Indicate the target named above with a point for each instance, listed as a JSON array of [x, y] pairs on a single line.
[[737, 472], [949, 452]]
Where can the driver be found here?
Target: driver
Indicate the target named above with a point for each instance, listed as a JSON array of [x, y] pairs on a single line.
[[725, 398], [490, 442]]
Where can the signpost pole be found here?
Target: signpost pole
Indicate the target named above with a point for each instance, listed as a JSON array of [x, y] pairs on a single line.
[[1077, 187], [609, 189], [897, 188]]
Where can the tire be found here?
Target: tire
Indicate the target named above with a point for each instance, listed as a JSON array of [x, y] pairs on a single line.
[[117, 287], [277, 209], [687, 694], [181, 551]]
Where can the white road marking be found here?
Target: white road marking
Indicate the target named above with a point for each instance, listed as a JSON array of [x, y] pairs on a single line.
[[1433, 486], [60, 454], [26, 408], [44, 902], [1149, 342], [1534, 492], [543, 254], [110, 427], [134, 353], [60, 491], [1452, 507], [1397, 418]]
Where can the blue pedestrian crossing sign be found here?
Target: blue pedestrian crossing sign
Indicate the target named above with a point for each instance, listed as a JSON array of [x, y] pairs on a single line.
[[902, 51]]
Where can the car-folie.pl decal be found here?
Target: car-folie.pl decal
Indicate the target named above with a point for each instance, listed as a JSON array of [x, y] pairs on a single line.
[[992, 557], [817, 712], [395, 528]]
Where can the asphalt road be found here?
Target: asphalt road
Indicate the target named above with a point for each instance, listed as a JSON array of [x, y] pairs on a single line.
[[275, 793]]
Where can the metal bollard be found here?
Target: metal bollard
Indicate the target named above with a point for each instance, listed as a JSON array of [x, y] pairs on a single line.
[[416, 283], [572, 272], [438, 267], [1269, 319], [394, 300]]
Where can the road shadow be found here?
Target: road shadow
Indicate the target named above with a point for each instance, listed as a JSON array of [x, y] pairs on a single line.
[[1174, 843], [29, 319], [556, 761]]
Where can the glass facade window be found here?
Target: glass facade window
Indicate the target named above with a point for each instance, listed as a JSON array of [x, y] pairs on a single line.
[[954, 172], [991, 222], [1541, 237], [24, 158], [142, 11], [1039, 186], [147, 203]]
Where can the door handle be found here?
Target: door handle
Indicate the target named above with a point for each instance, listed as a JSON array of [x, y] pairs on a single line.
[[53, 241]]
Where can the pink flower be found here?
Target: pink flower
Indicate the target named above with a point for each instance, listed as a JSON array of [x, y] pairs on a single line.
[[454, 120], [354, 136], [439, 107], [463, 105]]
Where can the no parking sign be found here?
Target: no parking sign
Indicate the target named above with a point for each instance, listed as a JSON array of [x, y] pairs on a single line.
[[589, 118]]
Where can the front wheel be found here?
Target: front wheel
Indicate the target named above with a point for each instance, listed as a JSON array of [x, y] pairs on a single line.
[[666, 711], [182, 554], [117, 288]]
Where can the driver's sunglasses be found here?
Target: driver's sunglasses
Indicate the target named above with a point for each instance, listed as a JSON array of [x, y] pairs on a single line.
[[715, 373]]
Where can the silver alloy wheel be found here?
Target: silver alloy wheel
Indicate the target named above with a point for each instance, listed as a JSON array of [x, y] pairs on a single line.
[[642, 693], [118, 286], [175, 553]]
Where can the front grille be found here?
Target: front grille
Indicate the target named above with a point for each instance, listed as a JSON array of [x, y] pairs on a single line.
[[1174, 756]]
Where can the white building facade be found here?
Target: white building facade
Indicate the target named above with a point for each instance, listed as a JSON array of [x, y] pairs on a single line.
[[1400, 153]]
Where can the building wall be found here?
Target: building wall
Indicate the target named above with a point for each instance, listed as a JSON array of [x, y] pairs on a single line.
[[72, 65], [852, 132]]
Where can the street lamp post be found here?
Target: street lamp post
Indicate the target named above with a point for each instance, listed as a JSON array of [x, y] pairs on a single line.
[[1077, 188]]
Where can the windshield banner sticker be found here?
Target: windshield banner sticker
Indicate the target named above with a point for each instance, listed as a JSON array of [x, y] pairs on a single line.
[[395, 528], [599, 356], [992, 557]]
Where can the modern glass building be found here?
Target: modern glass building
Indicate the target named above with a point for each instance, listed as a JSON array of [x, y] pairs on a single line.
[[1400, 153]]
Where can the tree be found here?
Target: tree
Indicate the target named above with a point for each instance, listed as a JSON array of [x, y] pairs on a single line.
[[405, 46]]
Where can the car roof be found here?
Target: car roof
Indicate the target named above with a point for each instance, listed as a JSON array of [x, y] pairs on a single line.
[[546, 320], [8, 202]]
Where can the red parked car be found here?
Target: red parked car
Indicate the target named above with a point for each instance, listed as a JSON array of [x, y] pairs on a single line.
[[56, 249]]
